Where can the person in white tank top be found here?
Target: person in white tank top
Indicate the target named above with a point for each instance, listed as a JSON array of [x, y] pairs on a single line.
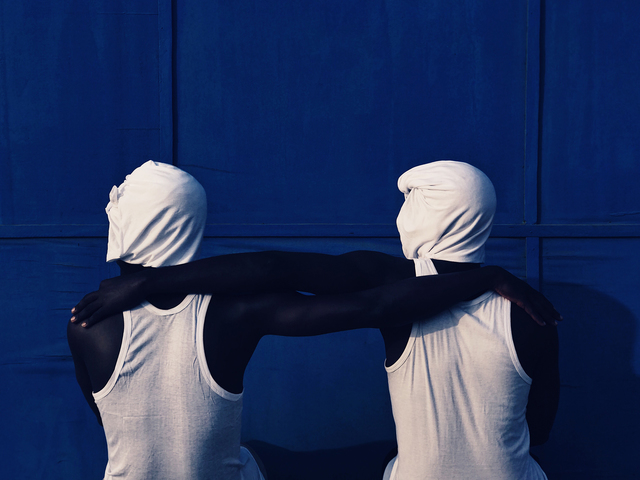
[[475, 386], [123, 359]]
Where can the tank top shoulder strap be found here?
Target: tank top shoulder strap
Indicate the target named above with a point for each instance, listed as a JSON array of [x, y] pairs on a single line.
[[510, 344], [423, 267], [124, 348]]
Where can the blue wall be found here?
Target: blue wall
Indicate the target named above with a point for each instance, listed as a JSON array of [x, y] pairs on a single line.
[[298, 117]]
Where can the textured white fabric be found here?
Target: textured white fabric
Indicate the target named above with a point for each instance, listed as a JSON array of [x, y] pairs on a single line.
[[447, 213], [164, 415], [459, 396], [156, 217]]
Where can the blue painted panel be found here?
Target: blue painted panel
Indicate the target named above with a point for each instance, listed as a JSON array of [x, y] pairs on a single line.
[[48, 276], [590, 142], [320, 392], [47, 433], [304, 114], [307, 112], [594, 284], [79, 87]]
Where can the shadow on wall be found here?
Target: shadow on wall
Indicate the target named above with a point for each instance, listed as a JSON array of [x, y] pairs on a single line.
[[596, 433]]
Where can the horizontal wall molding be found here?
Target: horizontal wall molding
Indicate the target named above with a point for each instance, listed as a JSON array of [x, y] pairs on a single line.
[[329, 231]]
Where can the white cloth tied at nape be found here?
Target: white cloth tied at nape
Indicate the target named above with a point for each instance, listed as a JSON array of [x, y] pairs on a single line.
[[447, 213], [156, 217]]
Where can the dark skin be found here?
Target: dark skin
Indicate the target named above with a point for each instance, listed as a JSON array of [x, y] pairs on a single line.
[[355, 290], [537, 350]]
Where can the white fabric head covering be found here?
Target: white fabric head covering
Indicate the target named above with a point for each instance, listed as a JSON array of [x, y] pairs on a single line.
[[447, 213], [156, 217]]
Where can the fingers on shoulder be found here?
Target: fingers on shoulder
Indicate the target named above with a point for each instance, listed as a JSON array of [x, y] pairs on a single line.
[[536, 334], [86, 300]]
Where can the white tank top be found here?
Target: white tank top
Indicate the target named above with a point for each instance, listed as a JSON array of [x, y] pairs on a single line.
[[164, 415], [459, 396]]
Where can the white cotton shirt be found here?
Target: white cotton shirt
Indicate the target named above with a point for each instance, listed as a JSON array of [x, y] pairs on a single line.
[[459, 396], [164, 416]]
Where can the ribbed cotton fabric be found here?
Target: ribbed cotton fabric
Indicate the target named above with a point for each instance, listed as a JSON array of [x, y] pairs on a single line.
[[459, 396], [164, 416]]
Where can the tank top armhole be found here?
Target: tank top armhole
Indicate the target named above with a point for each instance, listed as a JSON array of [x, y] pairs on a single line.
[[124, 348], [203, 306], [423, 267], [511, 345], [407, 349]]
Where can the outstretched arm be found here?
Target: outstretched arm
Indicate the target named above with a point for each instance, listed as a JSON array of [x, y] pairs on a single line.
[[265, 272], [395, 304], [247, 273], [262, 272]]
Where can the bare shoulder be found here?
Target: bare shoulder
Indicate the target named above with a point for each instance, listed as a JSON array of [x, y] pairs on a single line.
[[95, 350], [535, 345], [77, 335], [108, 331]]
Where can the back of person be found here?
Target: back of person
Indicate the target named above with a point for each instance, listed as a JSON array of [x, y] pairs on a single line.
[[145, 372], [459, 397], [163, 414], [458, 390]]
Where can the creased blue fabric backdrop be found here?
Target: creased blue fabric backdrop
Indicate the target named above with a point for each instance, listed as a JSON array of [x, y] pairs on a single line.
[[298, 117]]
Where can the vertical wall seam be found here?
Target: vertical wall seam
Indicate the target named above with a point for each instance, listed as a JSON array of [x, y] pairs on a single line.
[[541, 73], [174, 81], [532, 136], [532, 106], [165, 80]]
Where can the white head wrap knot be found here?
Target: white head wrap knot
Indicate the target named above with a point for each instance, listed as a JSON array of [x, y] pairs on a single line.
[[156, 217], [447, 213]]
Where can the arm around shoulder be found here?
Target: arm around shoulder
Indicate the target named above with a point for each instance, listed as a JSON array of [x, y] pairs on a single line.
[[75, 338], [390, 305], [537, 349]]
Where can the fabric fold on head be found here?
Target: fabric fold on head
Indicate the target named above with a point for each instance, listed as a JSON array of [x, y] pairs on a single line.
[[156, 217], [447, 213]]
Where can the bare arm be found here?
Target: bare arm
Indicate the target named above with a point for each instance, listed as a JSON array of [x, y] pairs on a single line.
[[74, 337], [537, 350], [263, 272], [389, 305], [247, 273]]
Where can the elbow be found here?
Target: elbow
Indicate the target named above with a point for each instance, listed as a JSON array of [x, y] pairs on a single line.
[[538, 438], [539, 432]]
